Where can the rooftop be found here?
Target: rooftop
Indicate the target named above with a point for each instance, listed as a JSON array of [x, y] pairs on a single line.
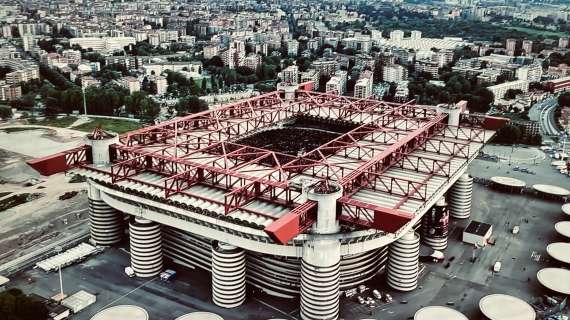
[[248, 160]]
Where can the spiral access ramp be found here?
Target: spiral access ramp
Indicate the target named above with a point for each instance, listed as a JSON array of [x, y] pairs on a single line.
[[460, 197], [403, 263], [145, 247], [228, 275]]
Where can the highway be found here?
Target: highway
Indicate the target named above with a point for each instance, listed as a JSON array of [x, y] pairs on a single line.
[[543, 112]]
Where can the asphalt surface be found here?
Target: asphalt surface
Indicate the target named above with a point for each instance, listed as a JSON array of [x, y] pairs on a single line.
[[543, 112], [103, 276], [459, 285]]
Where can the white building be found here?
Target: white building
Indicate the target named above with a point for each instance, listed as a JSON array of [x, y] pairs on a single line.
[[531, 73], [500, 90], [289, 74], [362, 88], [292, 48], [397, 35], [131, 83], [311, 75], [161, 84], [102, 44], [394, 73]]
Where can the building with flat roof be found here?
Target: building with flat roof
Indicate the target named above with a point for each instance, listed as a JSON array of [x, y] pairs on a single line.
[[500, 90], [394, 73], [558, 85]]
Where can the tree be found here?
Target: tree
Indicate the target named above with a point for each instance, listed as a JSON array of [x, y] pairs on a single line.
[[512, 93], [190, 104], [15, 305], [508, 134], [204, 89], [139, 104], [5, 112], [564, 100]]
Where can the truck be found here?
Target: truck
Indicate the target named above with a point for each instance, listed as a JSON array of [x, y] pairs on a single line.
[[130, 272], [167, 275]]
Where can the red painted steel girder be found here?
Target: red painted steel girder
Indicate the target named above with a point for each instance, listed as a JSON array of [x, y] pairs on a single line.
[[62, 161], [386, 218]]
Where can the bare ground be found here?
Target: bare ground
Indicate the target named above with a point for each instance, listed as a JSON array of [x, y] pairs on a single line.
[[24, 227]]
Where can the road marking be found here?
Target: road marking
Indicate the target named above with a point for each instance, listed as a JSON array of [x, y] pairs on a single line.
[[126, 294], [275, 308]]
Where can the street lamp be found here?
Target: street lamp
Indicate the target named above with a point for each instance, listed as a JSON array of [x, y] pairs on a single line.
[[84, 101], [58, 249]]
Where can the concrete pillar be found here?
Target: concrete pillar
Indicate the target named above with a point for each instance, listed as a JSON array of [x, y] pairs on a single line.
[[320, 273], [228, 275], [435, 226], [145, 247], [403, 262], [105, 223], [460, 197]]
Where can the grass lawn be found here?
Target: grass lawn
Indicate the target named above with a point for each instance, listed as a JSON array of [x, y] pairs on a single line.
[[62, 122], [537, 32], [114, 125]]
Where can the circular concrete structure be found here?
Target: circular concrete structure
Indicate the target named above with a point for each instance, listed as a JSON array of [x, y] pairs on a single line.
[[438, 313], [566, 209], [559, 251], [200, 316], [505, 307], [123, 312], [558, 163], [551, 190], [563, 228], [508, 182], [555, 279]]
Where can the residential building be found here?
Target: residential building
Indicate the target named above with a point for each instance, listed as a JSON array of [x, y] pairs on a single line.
[[500, 90], [103, 44], [334, 85], [252, 61], [9, 92], [211, 51], [527, 47], [394, 73], [363, 86], [397, 35], [558, 85], [311, 75], [563, 42], [326, 67], [131, 83], [511, 46], [289, 75], [531, 72], [292, 48], [160, 83], [88, 81]]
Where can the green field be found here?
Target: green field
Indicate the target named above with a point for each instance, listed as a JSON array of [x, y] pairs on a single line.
[[114, 125], [62, 122], [537, 32]]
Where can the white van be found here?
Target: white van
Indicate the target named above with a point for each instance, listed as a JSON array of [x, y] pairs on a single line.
[[497, 266]]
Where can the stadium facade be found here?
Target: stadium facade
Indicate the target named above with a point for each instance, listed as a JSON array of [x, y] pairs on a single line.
[[294, 192]]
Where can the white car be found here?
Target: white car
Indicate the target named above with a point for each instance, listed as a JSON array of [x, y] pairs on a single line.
[[516, 229], [497, 266]]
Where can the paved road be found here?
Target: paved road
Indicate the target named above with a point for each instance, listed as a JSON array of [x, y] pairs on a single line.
[[543, 112]]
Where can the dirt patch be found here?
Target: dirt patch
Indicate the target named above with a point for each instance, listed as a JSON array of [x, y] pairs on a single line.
[[68, 195], [18, 199]]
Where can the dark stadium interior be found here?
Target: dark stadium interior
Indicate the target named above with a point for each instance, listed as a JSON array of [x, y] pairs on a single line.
[[298, 135]]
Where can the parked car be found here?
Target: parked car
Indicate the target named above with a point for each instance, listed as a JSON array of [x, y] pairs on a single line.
[[497, 266]]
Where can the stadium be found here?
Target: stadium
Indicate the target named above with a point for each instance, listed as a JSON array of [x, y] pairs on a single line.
[[293, 192]]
